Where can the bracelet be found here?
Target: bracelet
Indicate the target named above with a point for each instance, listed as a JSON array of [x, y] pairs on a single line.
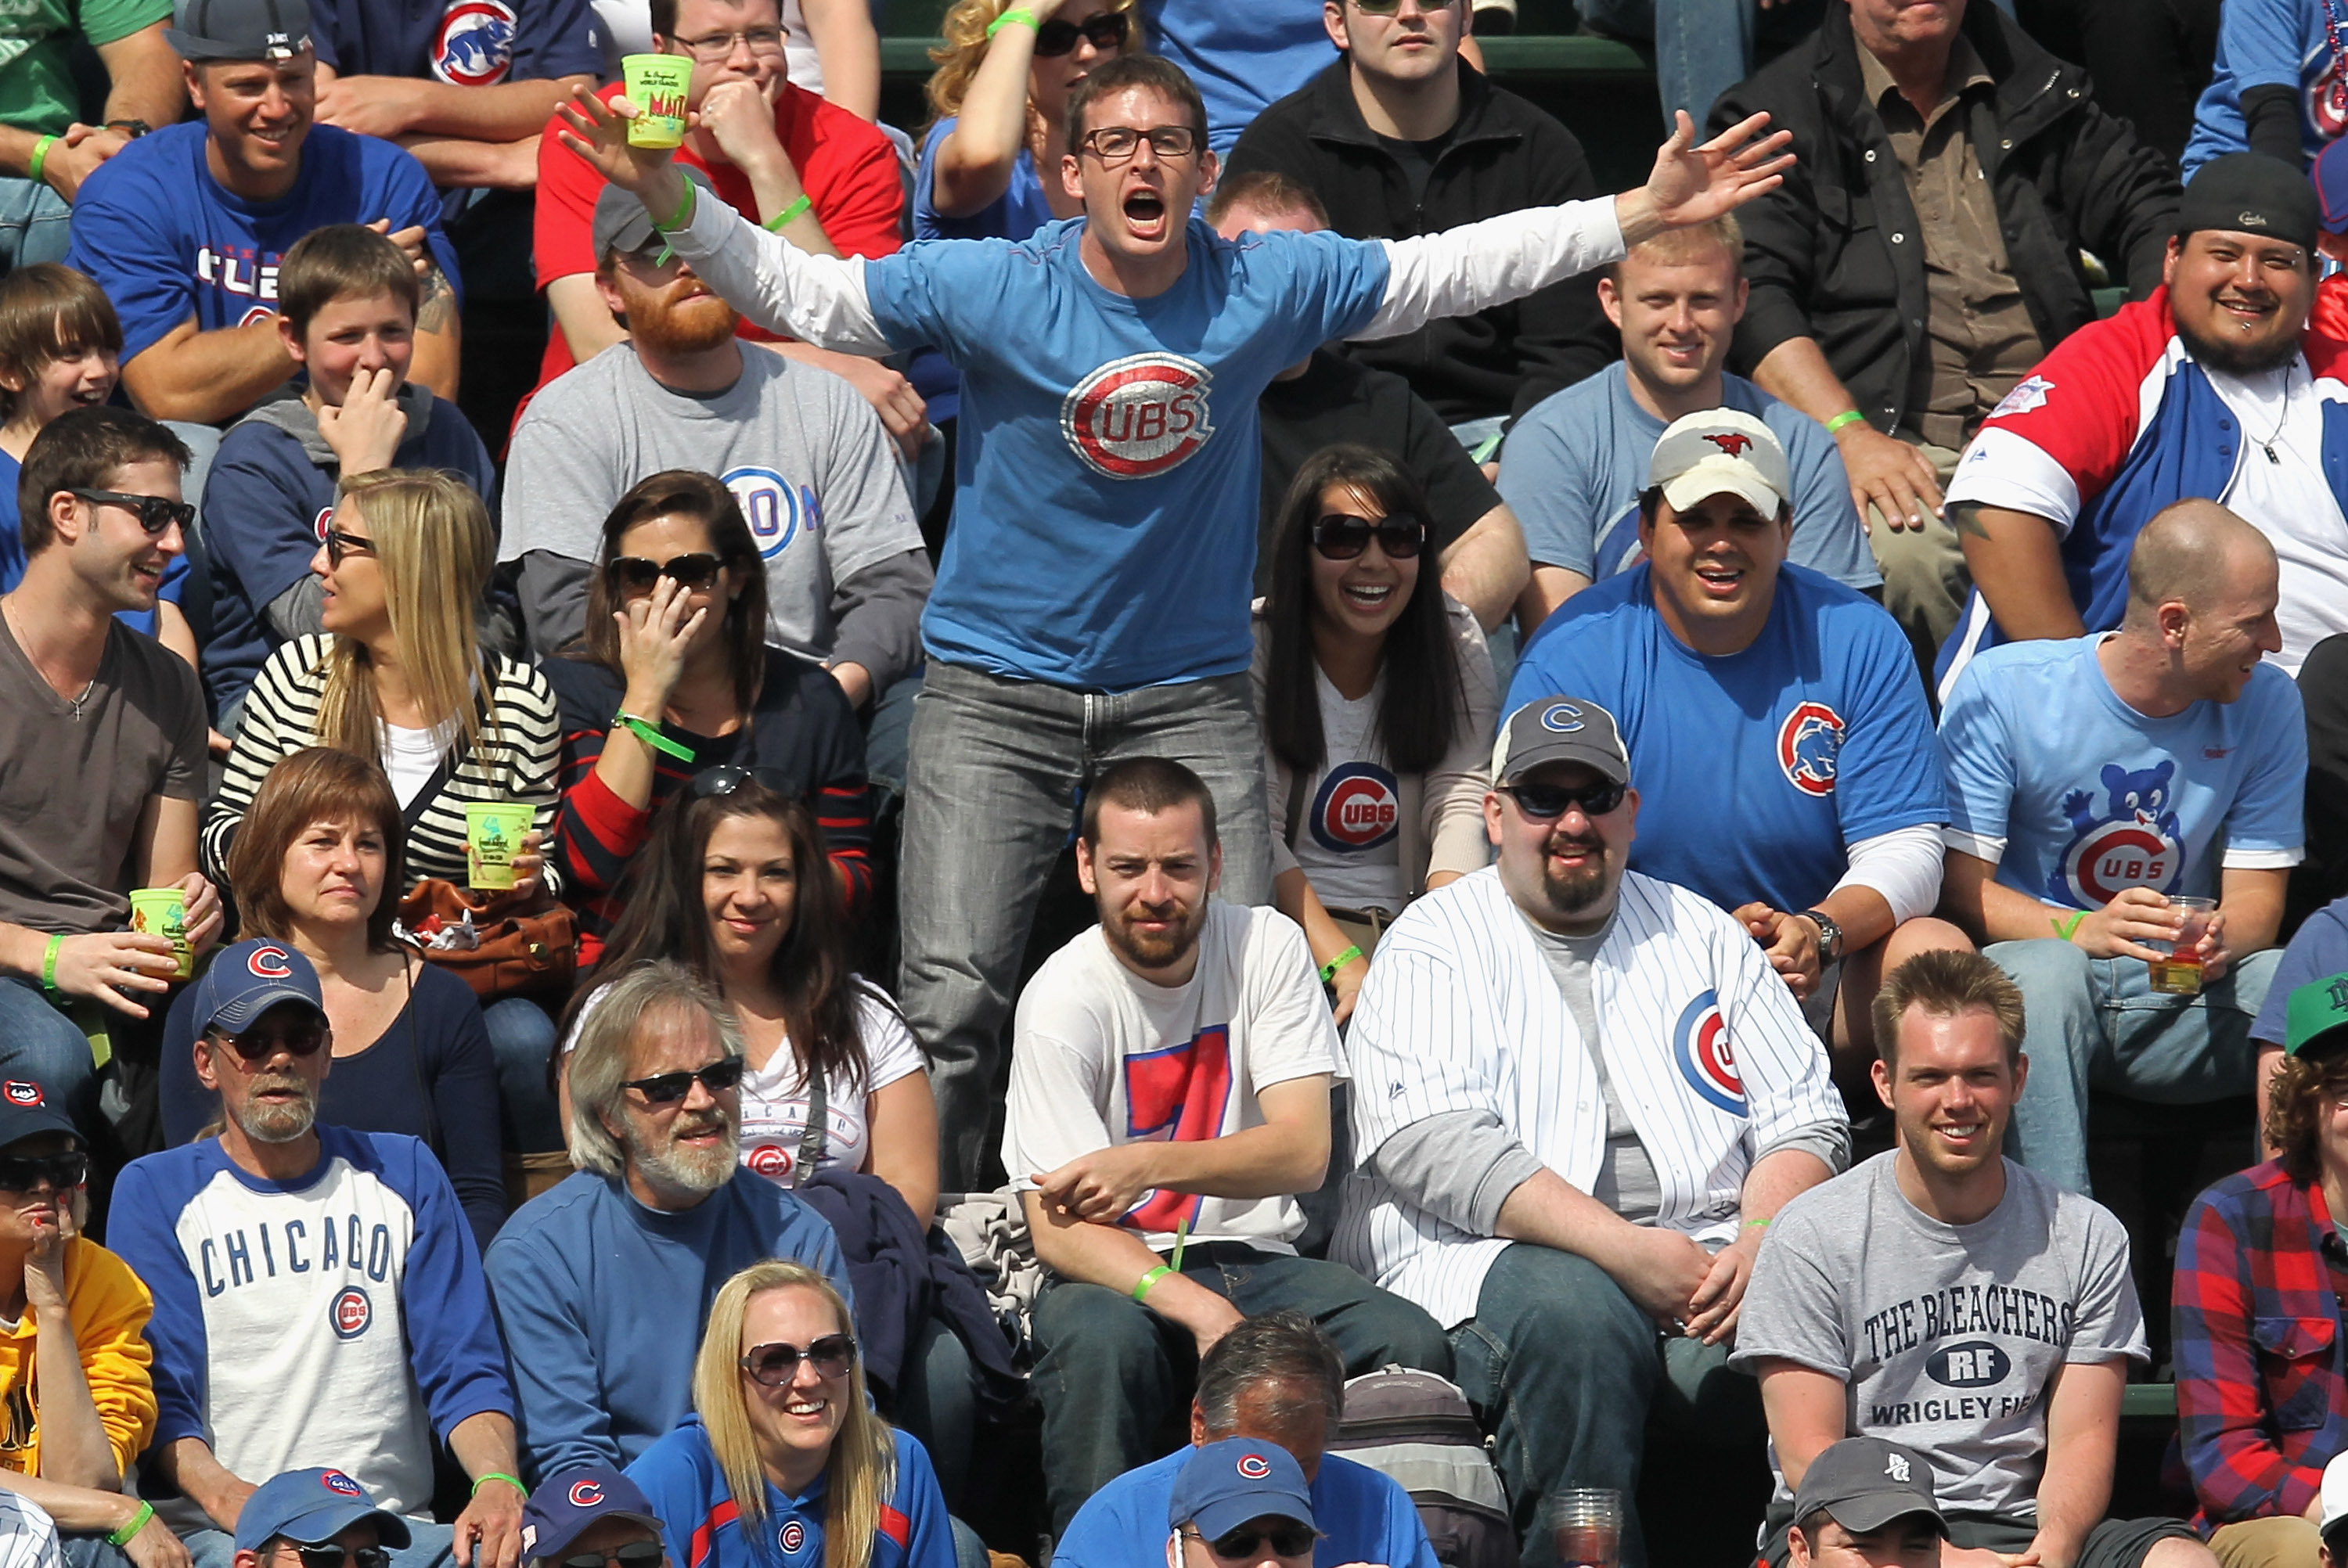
[[488, 1476], [1152, 1277], [1329, 970], [780, 220], [1017, 16], [2063, 929], [131, 1526], [40, 156], [650, 733], [49, 965], [1756, 1224], [681, 217], [1848, 416]]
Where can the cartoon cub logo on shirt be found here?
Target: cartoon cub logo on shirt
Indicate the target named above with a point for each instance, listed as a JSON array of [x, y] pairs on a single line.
[[350, 1313], [1700, 1045], [2131, 842], [474, 46], [774, 508], [1808, 744], [1137, 417], [1357, 807]]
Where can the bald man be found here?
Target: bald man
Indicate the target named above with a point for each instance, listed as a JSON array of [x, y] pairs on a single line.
[[2094, 780]]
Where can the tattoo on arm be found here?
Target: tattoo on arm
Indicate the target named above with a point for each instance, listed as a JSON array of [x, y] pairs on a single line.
[[1965, 518], [438, 304]]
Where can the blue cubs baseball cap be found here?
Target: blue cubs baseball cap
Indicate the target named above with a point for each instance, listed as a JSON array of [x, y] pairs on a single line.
[[28, 1109], [248, 979], [313, 1506], [560, 1510], [1224, 1484]]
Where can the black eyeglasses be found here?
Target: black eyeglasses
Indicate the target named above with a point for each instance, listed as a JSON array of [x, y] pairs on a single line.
[[23, 1173], [633, 575], [774, 1365], [1342, 537], [331, 1555], [1389, 8], [256, 1046], [727, 780], [340, 543], [1290, 1540], [634, 1554], [668, 1088], [1113, 144], [1058, 38], [1546, 803], [156, 513]]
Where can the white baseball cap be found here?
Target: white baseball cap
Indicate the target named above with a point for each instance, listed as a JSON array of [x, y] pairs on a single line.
[[1721, 452], [2334, 1494]]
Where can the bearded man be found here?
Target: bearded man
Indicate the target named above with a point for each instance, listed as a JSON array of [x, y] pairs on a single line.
[[317, 1297], [602, 1284]]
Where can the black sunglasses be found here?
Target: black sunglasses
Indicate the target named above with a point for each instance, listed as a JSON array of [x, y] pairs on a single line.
[[668, 1088], [331, 1555], [634, 1554], [1058, 38], [727, 780], [634, 574], [774, 1365], [1342, 537], [23, 1173], [340, 543], [1290, 1540], [302, 1040], [156, 513], [1546, 803], [1388, 7]]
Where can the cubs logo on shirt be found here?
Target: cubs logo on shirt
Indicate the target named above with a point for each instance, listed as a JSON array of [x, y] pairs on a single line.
[[775, 509], [1137, 417], [771, 1160], [2326, 110], [474, 45], [792, 1536], [2129, 840], [1357, 807], [586, 1493], [350, 1313], [1176, 1095], [1700, 1046], [239, 270], [20, 1092], [1808, 742]]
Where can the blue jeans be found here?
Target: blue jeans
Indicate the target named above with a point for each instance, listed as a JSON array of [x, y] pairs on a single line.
[[39, 1042], [429, 1547], [887, 730], [937, 1401], [36, 223], [1109, 1372], [1567, 1370], [2097, 1023], [995, 771], [521, 1038]]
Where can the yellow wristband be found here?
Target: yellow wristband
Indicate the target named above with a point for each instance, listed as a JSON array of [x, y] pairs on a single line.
[[781, 221], [1152, 1277]]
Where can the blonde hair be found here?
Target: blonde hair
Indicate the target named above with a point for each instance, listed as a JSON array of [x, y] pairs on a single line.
[[435, 550], [964, 32], [862, 1469]]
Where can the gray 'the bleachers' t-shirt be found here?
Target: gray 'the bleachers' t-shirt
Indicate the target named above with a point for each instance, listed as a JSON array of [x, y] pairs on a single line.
[[1945, 1337]]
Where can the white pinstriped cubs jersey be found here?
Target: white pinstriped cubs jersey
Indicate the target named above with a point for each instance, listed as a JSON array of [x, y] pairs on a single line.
[[1705, 1046], [28, 1537]]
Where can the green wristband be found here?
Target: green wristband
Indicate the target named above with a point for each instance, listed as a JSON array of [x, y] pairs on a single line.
[[1848, 416], [781, 221], [1017, 16], [488, 1476], [650, 733], [1329, 970], [1756, 1224], [49, 964], [2063, 929], [137, 1523], [40, 157], [1152, 1277]]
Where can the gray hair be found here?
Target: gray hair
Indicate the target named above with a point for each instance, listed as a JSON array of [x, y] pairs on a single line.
[[1280, 1348], [608, 1026]]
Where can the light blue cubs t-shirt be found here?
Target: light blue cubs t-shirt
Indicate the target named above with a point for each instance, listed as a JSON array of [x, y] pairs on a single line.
[[2076, 795], [1574, 466], [1106, 499]]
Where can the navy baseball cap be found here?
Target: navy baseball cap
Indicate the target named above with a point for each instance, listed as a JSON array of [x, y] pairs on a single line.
[[239, 29], [27, 1109], [248, 979], [560, 1510], [312, 1506], [1224, 1484]]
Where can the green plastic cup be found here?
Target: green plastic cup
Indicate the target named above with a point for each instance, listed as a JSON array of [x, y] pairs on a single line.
[[493, 834], [656, 84], [163, 912]]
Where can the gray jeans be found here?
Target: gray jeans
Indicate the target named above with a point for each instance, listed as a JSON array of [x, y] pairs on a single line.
[[993, 776]]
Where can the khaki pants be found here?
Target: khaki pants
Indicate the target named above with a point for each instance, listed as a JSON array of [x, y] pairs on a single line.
[[2266, 1543], [1924, 576], [1363, 927]]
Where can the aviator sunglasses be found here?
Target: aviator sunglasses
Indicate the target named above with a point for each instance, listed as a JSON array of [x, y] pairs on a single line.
[[774, 1365]]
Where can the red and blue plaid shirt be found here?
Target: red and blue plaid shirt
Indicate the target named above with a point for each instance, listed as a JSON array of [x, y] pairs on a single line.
[[2261, 1405]]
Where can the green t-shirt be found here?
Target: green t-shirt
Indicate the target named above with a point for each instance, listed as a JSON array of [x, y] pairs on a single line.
[[36, 83]]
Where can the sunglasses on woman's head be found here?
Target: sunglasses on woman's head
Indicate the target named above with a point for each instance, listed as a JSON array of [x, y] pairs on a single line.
[[1546, 803], [1342, 537], [1289, 1540], [634, 1554], [1058, 38], [23, 1173], [634, 575], [774, 1365], [340, 543], [668, 1088], [727, 780], [259, 1045]]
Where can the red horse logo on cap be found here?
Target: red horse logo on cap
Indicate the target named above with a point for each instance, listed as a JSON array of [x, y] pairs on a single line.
[[586, 1493], [20, 1092], [1255, 1466], [1730, 443], [269, 963]]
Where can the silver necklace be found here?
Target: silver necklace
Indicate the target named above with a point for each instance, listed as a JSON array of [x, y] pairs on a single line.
[[2282, 419], [76, 704]]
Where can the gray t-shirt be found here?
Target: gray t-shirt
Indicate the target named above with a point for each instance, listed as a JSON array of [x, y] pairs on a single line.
[[1945, 1335], [801, 450], [1626, 1180]]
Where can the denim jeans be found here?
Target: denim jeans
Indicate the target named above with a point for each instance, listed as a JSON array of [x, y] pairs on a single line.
[[2097, 1023], [36, 223], [429, 1547], [887, 729], [992, 778], [937, 1401], [1109, 1372], [1567, 1369], [39, 1042], [521, 1039]]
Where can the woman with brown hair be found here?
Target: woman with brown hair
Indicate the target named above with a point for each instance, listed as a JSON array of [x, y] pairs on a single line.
[[316, 866]]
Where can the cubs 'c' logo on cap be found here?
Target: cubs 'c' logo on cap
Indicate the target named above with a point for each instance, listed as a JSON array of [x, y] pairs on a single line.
[[1700, 1046], [350, 1313], [1255, 1466], [474, 47], [1729, 441], [793, 1535], [1808, 741], [335, 1482], [1358, 806], [22, 1092], [325, 524], [775, 509], [586, 1493], [771, 1160], [1563, 717], [269, 963], [1137, 417]]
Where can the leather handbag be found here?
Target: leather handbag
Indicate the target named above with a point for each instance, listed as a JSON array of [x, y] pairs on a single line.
[[521, 942]]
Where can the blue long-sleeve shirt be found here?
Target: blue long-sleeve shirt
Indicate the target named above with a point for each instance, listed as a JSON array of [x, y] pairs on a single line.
[[703, 1528], [602, 1300]]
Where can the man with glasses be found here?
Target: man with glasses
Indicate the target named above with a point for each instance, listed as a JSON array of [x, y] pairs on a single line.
[[602, 1284], [101, 753], [592, 1517], [1241, 1502], [1580, 1095], [1785, 749], [316, 1519], [317, 1295]]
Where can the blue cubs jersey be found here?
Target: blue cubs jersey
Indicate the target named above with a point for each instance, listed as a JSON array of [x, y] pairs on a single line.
[[702, 1526], [465, 43]]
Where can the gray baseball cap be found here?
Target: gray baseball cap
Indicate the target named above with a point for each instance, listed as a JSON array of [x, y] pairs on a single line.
[[1721, 452], [622, 223], [1865, 1484], [1560, 729], [239, 29]]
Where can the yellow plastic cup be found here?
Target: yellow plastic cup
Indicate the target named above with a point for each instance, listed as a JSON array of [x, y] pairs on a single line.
[[163, 912], [493, 834], [656, 84]]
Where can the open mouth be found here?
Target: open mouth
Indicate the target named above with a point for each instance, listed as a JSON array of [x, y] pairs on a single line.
[[808, 1409], [1719, 582], [1962, 1137], [90, 398], [1367, 595], [1144, 213]]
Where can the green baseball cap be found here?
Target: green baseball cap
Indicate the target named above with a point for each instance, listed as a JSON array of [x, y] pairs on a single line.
[[2317, 1022]]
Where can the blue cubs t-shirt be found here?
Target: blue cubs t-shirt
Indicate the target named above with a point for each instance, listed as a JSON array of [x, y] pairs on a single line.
[[1575, 463], [167, 242], [1105, 509], [1756, 771], [2076, 795], [465, 43], [12, 553], [2266, 43], [1363, 1517], [1018, 213]]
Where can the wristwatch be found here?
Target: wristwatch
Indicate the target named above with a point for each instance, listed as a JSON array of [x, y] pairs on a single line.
[[1829, 934], [133, 129]]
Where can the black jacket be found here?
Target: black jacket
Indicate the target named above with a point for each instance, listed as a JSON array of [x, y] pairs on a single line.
[[1834, 254], [1503, 155]]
